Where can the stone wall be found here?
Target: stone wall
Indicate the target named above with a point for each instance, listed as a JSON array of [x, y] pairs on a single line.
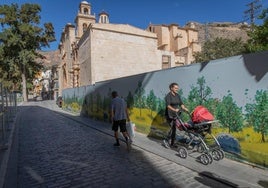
[[115, 51], [213, 30]]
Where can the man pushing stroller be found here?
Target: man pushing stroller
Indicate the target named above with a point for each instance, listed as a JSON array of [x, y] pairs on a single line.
[[173, 106]]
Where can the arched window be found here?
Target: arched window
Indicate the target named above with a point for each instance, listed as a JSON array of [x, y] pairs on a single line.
[[85, 11], [84, 27]]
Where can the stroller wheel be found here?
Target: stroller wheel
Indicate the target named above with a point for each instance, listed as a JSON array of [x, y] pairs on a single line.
[[222, 155], [210, 158], [204, 159], [182, 152], [200, 148], [216, 154]]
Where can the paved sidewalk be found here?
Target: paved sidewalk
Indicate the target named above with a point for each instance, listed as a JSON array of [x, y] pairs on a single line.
[[231, 173]]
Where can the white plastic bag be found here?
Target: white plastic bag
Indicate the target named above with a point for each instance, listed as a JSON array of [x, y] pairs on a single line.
[[131, 129]]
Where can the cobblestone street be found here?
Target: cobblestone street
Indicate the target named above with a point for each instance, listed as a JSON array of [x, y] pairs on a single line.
[[56, 150]]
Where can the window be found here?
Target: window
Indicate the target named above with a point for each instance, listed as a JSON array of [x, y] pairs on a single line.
[[166, 61], [84, 27], [85, 11]]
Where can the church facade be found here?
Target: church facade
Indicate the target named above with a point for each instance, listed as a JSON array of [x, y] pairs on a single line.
[[96, 50]]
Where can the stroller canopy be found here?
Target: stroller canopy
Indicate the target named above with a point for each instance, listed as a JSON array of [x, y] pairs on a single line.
[[201, 114]]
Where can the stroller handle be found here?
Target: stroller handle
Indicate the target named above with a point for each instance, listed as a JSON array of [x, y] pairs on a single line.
[[180, 111], [187, 112], [207, 122]]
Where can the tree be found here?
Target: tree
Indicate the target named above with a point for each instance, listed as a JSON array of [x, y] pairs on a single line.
[[200, 94], [130, 100], [229, 114], [99, 102], [20, 40], [138, 97], [257, 113], [219, 48], [151, 101], [259, 35]]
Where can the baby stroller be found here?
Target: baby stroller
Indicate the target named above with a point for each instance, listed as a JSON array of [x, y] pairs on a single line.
[[195, 135]]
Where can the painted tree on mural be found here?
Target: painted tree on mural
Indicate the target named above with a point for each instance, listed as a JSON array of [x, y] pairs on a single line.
[[151, 102], [98, 102], [138, 98], [257, 113], [91, 101], [130, 100], [200, 94], [161, 105], [229, 114], [106, 103]]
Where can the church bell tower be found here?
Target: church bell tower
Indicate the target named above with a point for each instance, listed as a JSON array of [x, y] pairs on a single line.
[[84, 18]]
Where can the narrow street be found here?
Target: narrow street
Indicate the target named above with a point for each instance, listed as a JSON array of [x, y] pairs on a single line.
[[55, 150]]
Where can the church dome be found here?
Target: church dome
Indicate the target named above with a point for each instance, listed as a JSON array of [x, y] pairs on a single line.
[[84, 2]]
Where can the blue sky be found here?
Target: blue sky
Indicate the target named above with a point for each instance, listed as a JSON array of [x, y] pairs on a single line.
[[140, 13]]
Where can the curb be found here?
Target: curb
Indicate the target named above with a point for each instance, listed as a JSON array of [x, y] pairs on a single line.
[[6, 155]]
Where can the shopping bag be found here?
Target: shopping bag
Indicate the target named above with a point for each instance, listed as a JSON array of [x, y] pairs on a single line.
[[131, 129]]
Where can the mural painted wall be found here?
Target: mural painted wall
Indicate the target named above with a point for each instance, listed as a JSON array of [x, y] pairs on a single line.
[[234, 89]]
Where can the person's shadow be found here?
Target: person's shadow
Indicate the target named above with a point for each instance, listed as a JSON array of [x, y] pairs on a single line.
[[159, 126]]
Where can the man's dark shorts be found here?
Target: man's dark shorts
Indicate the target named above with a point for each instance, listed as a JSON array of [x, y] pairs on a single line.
[[121, 124]]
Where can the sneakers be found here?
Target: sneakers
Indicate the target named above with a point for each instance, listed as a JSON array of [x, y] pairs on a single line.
[[166, 144], [116, 144]]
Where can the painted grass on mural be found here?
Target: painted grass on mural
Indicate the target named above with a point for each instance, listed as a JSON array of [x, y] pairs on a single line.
[[252, 148], [72, 107], [255, 152], [145, 119]]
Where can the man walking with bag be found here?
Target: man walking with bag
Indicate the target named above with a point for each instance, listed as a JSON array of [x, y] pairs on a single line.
[[119, 116]]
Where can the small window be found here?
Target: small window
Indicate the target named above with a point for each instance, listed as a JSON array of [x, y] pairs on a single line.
[[85, 11], [151, 29], [166, 61], [84, 27]]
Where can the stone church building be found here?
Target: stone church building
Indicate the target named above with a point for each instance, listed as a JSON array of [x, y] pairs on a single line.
[[95, 50]]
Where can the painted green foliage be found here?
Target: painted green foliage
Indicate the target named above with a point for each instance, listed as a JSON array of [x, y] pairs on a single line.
[[199, 95], [139, 101], [147, 112], [257, 113], [229, 114], [130, 100], [151, 102], [225, 110]]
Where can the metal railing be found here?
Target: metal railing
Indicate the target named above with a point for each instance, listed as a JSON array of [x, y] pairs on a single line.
[[8, 110]]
